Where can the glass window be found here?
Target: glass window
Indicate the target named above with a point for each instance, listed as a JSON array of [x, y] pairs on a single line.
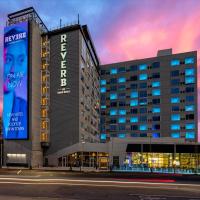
[[103, 72], [113, 104], [156, 75], [122, 80], [103, 136], [189, 89], [189, 80], [175, 82], [113, 71], [143, 101], [189, 98], [121, 135], [174, 90], [113, 112], [134, 94], [143, 110], [143, 85], [122, 69], [155, 65], [156, 118], [156, 101], [134, 127], [155, 135], [189, 116], [133, 86], [175, 108], [143, 93], [156, 127], [134, 119], [189, 135], [156, 110], [142, 67], [122, 127], [122, 112], [122, 95], [175, 62], [122, 87], [156, 92], [189, 72], [122, 120], [103, 82], [190, 126], [143, 118], [142, 77], [175, 127], [133, 68], [103, 106], [175, 117], [113, 88], [113, 80], [134, 102], [189, 60], [175, 100], [113, 96], [175, 135], [133, 78], [113, 127], [189, 108], [156, 84], [143, 135], [134, 110], [143, 127], [122, 103], [103, 89], [175, 73]]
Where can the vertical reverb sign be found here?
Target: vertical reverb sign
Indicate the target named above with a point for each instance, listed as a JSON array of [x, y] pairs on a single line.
[[15, 84], [63, 86]]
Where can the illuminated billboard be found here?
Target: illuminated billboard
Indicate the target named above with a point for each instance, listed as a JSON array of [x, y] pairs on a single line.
[[15, 74]]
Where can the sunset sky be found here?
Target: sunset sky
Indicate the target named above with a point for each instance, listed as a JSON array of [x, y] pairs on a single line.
[[121, 30]]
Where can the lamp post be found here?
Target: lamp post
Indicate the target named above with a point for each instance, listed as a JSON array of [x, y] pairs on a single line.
[[82, 142]]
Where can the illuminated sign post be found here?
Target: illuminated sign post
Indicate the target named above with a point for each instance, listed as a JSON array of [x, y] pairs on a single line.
[[15, 98], [63, 65]]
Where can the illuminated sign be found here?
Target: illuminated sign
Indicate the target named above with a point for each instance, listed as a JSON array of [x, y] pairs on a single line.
[[15, 98], [63, 66]]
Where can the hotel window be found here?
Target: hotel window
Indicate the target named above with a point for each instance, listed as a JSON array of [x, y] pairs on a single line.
[[143, 127], [156, 92], [189, 108], [103, 136], [175, 135], [156, 127], [189, 72], [134, 94], [122, 103], [156, 84], [134, 102], [174, 90], [156, 101], [122, 69], [175, 100], [155, 65], [190, 126], [103, 82], [133, 86], [143, 110], [113, 71], [113, 80], [189, 60], [133, 68], [143, 101], [133, 78], [122, 80], [156, 110], [175, 127], [113, 127], [113, 104], [122, 87], [122, 127], [113, 112], [113, 96], [113, 88], [134, 111], [143, 93], [189, 89], [113, 121], [103, 106], [121, 135], [143, 118], [142, 67], [134, 127], [189, 99], [189, 135], [44, 113], [143, 135], [175, 117], [156, 75], [190, 117], [175, 108], [189, 80], [103, 90], [175, 73], [122, 120], [142, 77], [134, 119], [175, 62], [103, 72], [156, 118], [175, 82], [143, 85], [155, 135], [122, 112], [122, 95]]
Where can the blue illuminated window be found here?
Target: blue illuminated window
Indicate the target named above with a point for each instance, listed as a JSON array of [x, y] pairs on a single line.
[[103, 106], [122, 112], [189, 60], [134, 102], [156, 84], [113, 96], [189, 135], [189, 72], [156, 110], [103, 82], [155, 135], [189, 108], [121, 135], [113, 112], [103, 136], [189, 80], [190, 126], [103, 90], [134, 119], [142, 67], [142, 77], [122, 80], [134, 94], [175, 100], [175, 127], [175, 117], [156, 92], [122, 120], [143, 127], [143, 101], [175, 135], [113, 71], [175, 62]]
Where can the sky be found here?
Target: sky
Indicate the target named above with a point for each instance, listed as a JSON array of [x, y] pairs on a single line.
[[121, 30]]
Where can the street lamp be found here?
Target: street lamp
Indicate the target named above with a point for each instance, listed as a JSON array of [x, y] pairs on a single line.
[[82, 142]]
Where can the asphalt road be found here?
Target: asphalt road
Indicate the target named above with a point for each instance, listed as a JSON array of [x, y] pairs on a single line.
[[82, 188]]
